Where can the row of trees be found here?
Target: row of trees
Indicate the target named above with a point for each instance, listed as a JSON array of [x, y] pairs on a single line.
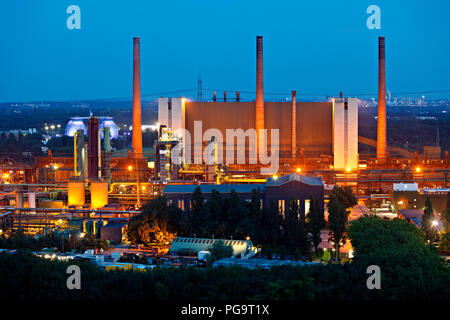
[[231, 217], [20, 240], [410, 269], [22, 143]]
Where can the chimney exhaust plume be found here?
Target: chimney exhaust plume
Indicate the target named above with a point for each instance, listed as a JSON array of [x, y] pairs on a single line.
[[381, 128], [137, 120]]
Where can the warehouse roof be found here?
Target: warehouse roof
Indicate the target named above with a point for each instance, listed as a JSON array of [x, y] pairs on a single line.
[[415, 215], [183, 244], [312, 181]]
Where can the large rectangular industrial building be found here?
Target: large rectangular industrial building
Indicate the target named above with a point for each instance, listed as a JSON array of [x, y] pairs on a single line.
[[322, 128], [305, 129]]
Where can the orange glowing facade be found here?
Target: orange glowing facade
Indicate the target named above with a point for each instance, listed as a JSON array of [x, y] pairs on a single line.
[[381, 128], [137, 121]]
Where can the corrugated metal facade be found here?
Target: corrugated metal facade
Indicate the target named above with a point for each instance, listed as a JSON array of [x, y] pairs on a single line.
[[314, 122]]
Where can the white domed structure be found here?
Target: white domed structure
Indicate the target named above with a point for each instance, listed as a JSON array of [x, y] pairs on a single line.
[[74, 125], [107, 122]]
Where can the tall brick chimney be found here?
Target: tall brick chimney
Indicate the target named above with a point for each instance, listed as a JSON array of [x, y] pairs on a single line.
[[259, 121], [381, 129], [294, 123], [136, 140]]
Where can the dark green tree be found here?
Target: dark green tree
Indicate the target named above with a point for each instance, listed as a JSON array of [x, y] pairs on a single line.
[[428, 225], [316, 222], [337, 219], [220, 250], [345, 196], [408, 266]]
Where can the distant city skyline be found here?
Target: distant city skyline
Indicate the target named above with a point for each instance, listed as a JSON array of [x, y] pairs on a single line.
[[314, 48]]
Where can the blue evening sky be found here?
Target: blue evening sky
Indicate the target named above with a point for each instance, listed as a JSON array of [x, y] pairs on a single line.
[[310, 46]]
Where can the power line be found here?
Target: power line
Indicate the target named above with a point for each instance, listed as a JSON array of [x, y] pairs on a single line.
[[285, 94]]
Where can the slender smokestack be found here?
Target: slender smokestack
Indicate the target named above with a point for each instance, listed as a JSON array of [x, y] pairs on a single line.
[[93, 148], [259, 121], [294, 124], [381, 130], [225, 96], [238, 94], [137, 122]]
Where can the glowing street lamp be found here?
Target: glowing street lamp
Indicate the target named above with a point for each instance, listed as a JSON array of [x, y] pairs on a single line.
[[299, 170], [130, 168], [418, 169]]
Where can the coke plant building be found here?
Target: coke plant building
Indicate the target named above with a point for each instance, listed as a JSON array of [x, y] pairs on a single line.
[[305, 129]]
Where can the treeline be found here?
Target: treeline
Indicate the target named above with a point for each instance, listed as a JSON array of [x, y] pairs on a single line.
[[124, 141], [20, 240], [10, 144], [409, 270], [292, 232]]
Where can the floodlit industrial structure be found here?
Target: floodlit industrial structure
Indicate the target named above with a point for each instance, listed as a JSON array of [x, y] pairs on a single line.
[[202, 144]]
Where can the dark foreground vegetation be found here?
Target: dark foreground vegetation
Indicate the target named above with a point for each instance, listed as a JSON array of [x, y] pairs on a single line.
[[409, 270]]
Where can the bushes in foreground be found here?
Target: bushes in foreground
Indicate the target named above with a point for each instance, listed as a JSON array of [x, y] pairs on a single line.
[[23, 276]]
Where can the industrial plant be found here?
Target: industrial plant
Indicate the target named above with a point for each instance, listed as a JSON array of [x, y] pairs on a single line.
[[221, 144]]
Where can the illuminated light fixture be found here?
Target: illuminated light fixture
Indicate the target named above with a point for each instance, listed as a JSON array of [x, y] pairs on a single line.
[[248, 238], [5, 175], [299, 170], [143, 188], [348, 169], [130, 168], [55, 167], [434, 223], [400, 202], [82, 234], [418, 169], [275, 177]]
